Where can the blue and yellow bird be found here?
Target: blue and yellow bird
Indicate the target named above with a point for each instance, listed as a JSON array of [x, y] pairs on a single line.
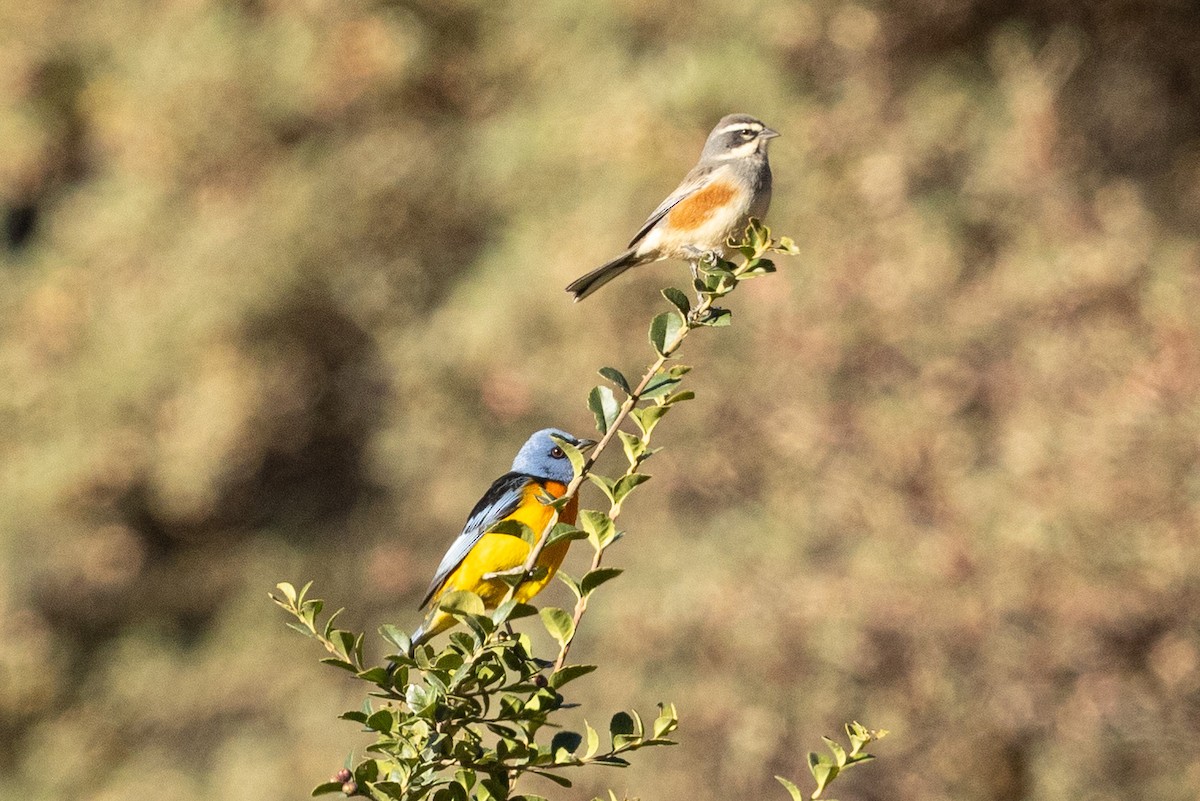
[[540, 471]]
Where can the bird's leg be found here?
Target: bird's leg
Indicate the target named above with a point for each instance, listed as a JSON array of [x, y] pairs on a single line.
[[502, 574], [695, 256]]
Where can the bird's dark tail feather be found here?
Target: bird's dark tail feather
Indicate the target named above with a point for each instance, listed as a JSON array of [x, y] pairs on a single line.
[[585, 285], [420, 635]]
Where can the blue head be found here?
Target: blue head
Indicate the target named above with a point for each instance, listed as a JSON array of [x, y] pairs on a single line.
[[540, 455]]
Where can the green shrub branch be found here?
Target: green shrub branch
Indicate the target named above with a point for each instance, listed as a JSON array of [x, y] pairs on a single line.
[[465, 722]]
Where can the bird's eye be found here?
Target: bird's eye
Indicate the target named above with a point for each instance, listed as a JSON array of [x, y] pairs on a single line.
[[746, 133], [557, 453]]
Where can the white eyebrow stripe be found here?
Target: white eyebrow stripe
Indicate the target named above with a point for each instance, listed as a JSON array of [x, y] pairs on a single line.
[[737, 126], [744, 149]]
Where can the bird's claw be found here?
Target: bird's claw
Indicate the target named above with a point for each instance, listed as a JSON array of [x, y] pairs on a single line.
[[501, 574]]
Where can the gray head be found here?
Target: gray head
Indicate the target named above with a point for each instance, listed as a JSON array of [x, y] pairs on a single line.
[[737, 136], [540, 455]]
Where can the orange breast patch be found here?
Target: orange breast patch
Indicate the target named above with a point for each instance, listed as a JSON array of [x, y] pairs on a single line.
[[694, 211], [557, 489]]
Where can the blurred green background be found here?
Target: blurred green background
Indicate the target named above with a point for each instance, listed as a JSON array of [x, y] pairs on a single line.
[[281, 292]]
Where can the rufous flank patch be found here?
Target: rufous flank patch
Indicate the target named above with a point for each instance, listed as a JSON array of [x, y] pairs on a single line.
[[693, 212]]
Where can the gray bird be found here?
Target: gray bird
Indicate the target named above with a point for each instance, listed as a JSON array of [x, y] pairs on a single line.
[[730, 184]]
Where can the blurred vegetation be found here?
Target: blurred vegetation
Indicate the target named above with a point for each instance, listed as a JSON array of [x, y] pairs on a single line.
[[280, 293]]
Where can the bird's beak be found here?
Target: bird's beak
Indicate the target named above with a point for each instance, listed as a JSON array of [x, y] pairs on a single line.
[[768, 133], [586, 445]]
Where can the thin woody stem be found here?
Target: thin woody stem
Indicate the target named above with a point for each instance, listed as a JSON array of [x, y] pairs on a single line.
[[634, 398], [693, 319], [580, 606]]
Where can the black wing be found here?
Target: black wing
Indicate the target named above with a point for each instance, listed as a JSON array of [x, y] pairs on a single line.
[[501, 500]]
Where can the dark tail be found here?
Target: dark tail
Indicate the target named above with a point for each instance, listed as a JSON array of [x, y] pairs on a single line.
[[587, 284], [419, 636]]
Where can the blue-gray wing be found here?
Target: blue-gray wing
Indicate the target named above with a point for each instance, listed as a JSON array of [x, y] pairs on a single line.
[[501, 500], [694, 181]]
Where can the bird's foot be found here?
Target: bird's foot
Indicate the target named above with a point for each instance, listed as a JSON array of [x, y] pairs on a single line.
[[503, 574], [697, 254], [697, 283]]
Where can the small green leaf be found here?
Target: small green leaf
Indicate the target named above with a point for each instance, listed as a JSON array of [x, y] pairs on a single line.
[[514, 528], [465, 778], [310, 609], [792, 789], [604, 407], [639, 728], [718, 269], [858, 736], [288, 591], [567, 741], [662, 383], [621, 725], [375, 675], [564, 532], [327, 631], [496, 787], [757, 234], [396, 637], [597, 577], [394, 790], [603, 482], [633, 446], [599, 527], [663, 331], [823, 771], [344, 642], [678, 397], [839, 753], [759, 267], [718, 318], [326, 788], [561, 781], [593, 741], [648, 417], [667, 720], [461, 602], [571, 583], [569, 673], [512, 610], [678, 299], [574, 455], [787, 245], [626, 484], [300, 627], [614, 375], [367, 772], [558, 623], [419, 699], [380, 721], [453, 791]]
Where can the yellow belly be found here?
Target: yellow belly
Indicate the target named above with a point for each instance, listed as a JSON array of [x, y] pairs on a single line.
[[496, 553]]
